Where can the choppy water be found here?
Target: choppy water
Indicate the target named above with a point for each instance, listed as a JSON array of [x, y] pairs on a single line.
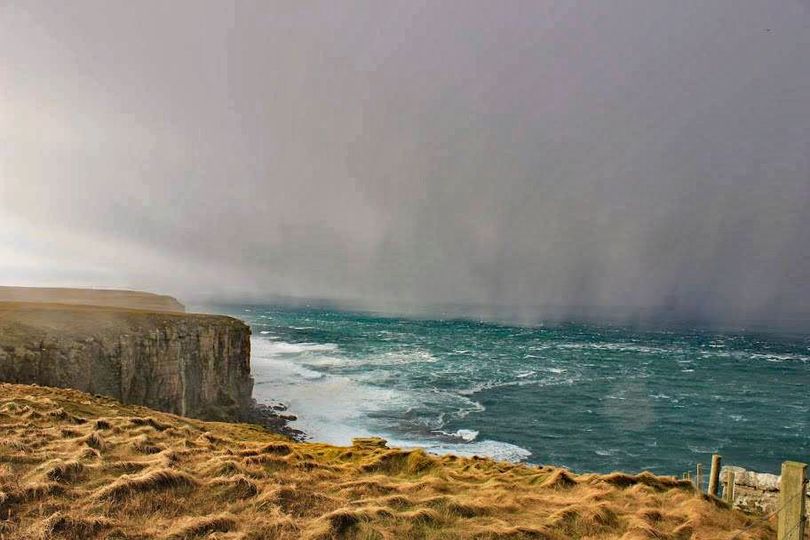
[[588, 397]]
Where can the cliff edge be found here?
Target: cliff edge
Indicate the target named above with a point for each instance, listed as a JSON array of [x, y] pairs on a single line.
[[92, 297], [187, 364]]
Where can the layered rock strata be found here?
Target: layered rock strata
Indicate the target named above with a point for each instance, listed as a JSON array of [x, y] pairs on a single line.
[[187, 364]]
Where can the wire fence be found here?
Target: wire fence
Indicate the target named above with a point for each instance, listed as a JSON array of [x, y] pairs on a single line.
[[701, 481], [794, 528], [761, 519]]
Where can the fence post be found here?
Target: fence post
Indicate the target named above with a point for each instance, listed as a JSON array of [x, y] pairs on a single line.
[[714, 476], [699, 477], [791, 501], [730, 487]]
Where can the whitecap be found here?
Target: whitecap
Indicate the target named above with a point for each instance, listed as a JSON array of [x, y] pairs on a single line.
[[497, 450], [618, 347], [275, 348], [467, 435], [701, 449]]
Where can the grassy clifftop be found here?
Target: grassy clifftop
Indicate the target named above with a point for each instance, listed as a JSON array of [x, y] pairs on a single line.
[[93, 297], [77, 466], [22, 322]]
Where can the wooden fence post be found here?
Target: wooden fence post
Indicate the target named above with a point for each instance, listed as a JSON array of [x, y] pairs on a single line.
[[714, 476], [791, 501], [699, 477], [730, 487]]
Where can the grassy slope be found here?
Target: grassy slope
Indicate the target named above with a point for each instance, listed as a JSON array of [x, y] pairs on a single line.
[[78, 466]]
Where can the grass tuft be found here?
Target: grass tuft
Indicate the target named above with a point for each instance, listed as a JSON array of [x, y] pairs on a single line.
[[559, 479], [149, 421], [196, 527], [149, 481], [95, 441], [66, 525], [234, 487], [63, 471]]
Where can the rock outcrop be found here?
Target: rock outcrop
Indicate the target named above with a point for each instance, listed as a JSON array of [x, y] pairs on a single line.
[[187, 364]]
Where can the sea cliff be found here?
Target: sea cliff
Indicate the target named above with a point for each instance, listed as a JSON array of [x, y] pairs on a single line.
[[187, 364]]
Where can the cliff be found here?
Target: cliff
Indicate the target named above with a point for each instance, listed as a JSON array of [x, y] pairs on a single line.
[[187, 364], [92, 297]]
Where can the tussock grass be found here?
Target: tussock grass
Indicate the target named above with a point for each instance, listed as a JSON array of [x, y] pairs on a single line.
[[143, 444], [94, 440], [234, 487], [29, 493], [196, 527], [337, 523], [149, 421], [61, 415], [156, 480], [71, 526], [101, 424], [559, 479], [63, 471], [74, 466]]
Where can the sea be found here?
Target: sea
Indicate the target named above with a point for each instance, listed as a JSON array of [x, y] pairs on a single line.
[[593, 398]]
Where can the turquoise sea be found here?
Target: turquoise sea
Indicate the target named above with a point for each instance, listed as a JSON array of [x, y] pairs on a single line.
[[589, 397]]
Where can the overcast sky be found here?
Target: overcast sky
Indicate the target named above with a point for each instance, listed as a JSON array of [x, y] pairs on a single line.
[[642, 154]]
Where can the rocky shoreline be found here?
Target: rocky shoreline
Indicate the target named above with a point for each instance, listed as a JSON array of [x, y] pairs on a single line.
[[273, 417]]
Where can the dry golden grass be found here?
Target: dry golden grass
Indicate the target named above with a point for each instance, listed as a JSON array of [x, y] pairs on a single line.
[[80, 467]]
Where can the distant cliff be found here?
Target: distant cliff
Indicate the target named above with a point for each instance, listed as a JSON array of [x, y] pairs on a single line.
[[188, 364], [92, 297]]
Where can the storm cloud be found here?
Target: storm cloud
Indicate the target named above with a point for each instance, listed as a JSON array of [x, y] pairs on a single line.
[[537, 157]]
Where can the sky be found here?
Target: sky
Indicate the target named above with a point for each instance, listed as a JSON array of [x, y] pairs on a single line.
[[533, 157]]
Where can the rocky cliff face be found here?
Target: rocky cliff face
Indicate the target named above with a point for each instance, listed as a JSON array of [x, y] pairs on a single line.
[[193, 365]]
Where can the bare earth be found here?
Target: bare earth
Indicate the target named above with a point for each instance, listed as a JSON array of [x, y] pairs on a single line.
[[77, 466]]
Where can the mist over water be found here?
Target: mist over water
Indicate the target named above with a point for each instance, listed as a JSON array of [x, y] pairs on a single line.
[[590, 397], [539, 160]]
